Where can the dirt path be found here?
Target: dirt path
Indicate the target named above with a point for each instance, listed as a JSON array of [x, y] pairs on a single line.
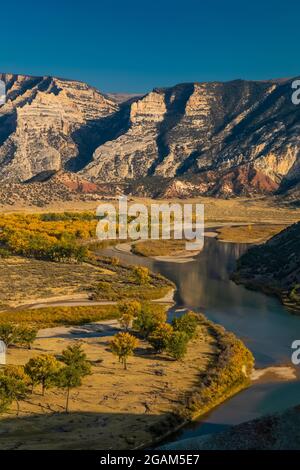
[[79, 302]]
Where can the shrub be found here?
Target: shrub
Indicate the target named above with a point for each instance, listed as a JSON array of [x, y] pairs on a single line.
[[177, 345], [160, 337], [148, 319], [141, 275], [187, 323], [130, 307], [4, 253]]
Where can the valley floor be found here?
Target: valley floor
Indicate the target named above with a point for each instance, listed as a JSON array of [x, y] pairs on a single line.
[[240, 209], [114, 408]]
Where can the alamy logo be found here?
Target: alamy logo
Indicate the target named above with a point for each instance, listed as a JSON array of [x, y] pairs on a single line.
[[156, 221], [2, 92], [296, 94], [296, 353], [2, 353]]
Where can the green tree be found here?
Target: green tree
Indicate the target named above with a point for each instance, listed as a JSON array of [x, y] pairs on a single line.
[[148, 319], [26, 335], [160, 337], [123, 345], [69, 377], [141, 275], [42, 370], [187, 323], [13, 387], [74, 356], [177, 345], [8, 333]]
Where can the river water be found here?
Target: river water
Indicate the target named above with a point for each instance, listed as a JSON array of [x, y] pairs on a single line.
[[264, 325]]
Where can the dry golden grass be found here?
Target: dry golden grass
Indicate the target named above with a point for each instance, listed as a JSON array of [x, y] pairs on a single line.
[[24, 281], [258, 209], [250, 233], [47, 317], [159, 247], [113, 409]]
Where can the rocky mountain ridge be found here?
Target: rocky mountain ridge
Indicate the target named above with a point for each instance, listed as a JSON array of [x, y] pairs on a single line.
[[219, 139]]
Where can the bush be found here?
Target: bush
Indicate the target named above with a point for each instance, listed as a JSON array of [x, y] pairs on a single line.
[[141, 275], [160, 337], [130, 307], [177, 345], [149, 318], [187, 323], [4, 253]]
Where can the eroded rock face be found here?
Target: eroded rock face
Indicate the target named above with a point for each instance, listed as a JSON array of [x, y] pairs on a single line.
[[220, 139], [237, 137], [39, 122]]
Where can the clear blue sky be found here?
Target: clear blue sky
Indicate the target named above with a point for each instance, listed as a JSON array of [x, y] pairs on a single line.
[[134, 45]]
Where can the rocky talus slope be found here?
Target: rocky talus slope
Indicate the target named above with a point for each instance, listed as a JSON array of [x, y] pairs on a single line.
[[274, 267], [220, 139]]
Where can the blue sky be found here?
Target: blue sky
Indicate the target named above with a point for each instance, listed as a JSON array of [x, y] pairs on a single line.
[[134, 46]]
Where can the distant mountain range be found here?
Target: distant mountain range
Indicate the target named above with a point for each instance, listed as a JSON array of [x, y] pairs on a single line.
[[218, 139]]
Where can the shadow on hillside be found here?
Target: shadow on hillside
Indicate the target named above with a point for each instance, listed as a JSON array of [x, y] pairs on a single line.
[[89, 430]]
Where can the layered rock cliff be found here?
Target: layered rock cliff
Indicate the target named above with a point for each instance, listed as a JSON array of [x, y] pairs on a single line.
[[42, 121], [221, 139]]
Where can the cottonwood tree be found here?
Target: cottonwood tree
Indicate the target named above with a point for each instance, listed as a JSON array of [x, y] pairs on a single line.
[[8, 333], [177, 345], [67, 378], [148, 319], [42, 370], [26, 335], [13, 387], [160, 337], [129, 309], [123, 345]]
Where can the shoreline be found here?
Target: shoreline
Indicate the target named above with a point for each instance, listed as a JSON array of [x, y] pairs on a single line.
[[243, 381], [292, 307]]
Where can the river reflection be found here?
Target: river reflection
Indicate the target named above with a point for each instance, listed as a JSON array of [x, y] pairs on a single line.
[[261, 321]]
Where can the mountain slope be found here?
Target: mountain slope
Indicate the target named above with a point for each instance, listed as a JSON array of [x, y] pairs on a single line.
[[274, 267], [44, 123], [216, 131], [220, 139]]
